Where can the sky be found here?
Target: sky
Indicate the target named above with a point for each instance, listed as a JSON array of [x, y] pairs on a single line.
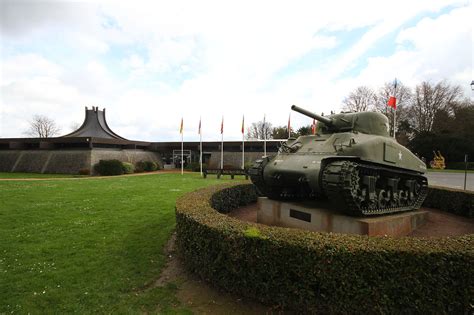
[[151, 63]]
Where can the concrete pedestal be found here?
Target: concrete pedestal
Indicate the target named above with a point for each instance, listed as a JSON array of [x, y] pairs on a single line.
[[320, 217]]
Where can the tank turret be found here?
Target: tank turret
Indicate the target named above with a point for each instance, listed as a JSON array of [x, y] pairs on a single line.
[[365, 122], [351, 160]]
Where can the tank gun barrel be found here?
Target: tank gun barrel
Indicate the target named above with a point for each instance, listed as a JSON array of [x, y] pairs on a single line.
[[303, 111]]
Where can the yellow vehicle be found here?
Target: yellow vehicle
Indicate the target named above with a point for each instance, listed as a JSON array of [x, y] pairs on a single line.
[[438, 161]]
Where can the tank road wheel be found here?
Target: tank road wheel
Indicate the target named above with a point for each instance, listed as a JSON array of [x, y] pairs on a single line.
[[383, 198], [367, 189], [341, 183]]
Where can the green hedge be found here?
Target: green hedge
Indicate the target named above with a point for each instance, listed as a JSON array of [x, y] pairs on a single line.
[[306, 272], [146, 166], [460, 165], [109, 167], [128, 168], [460, 202]]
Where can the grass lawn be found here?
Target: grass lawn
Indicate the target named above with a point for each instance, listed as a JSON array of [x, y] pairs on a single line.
[[448, 171], [37, 175], [88, 246]]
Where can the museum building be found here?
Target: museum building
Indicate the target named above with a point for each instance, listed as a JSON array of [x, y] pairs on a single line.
[[95, 141]]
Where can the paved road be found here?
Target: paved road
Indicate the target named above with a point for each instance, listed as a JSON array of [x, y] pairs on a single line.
[[453, 180]]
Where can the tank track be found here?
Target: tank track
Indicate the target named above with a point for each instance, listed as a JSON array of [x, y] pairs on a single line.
[[256, 176], [366, 189]]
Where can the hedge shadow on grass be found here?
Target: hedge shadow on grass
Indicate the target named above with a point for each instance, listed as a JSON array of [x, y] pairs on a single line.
[[320, 272]]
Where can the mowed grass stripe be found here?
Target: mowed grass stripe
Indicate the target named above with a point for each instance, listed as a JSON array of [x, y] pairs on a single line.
[[88, 245]]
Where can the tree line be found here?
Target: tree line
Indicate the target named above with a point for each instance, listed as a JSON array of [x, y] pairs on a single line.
[[429, 117]]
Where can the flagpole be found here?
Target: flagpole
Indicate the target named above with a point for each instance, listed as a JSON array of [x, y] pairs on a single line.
[[394, 120], [182, 155], [394, 108], [264, 137], [222, 143], [243, 145], [200, 146]]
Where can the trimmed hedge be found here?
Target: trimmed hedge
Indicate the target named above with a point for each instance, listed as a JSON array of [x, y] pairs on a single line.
[[109, 167], [306, 272], [460, 165], [146, 166], [128, 168], [460, 202]]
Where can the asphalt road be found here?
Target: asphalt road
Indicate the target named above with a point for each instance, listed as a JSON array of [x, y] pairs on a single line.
[[452, 180]]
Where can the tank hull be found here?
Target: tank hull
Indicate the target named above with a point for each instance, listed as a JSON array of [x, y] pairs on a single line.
[[363, 174]]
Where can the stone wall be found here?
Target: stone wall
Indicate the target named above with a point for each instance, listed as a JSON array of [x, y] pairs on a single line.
[[8, 160], [67, 161], [71, 161], [31, 161], [130, 156], [44, 161]]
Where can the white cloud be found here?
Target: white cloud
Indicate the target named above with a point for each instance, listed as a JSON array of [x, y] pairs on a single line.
[[423, 56], [27, 66], [211, 59]]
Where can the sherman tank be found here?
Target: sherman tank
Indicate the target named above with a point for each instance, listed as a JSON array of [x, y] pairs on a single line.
[[351, 160]]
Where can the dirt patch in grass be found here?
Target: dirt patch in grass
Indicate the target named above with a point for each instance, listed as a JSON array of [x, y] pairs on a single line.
[[197, 295]]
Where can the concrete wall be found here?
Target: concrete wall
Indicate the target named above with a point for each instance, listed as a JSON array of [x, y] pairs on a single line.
[[45, 161], [71, 161], [233, 159], [8, 160], [31, 161], [67, 161], [131, 156]]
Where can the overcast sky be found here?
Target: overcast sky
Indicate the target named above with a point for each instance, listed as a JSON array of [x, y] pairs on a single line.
[[151, 63]]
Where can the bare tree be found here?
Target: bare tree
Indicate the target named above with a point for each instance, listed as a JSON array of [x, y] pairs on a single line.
[[42, 127], [429, 99], [360, 100], [259, 129], [280, 132]]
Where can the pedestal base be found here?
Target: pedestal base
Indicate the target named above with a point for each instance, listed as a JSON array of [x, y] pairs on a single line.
[[319, 217]]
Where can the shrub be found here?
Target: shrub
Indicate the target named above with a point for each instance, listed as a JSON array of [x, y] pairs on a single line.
[[309, 272], [84, 171], [109, 167], [460, 202], [146, 166], [127, 168]]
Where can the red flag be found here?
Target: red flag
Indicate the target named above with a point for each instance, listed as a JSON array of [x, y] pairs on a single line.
[[222, 125], [199, 130], [392, 102], [242, 124], [313, 127]]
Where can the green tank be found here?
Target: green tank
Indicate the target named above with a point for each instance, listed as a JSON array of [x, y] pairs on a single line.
[[351, 160]]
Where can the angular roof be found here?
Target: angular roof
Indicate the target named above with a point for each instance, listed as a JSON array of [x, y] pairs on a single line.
[[95, 125]]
